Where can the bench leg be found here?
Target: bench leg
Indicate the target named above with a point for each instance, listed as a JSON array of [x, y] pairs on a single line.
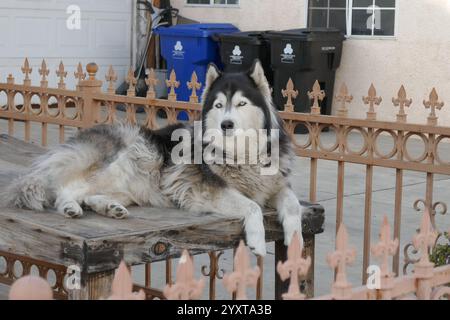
[[280, 255], [306, 284], [93, 286]]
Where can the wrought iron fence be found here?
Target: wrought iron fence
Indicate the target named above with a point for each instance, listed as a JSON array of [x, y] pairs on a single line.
[[87, 106]]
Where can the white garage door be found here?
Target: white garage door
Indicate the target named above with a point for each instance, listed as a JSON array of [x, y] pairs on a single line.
[[37, 29]]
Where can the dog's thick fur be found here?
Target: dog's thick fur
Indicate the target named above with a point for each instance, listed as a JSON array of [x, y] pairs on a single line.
[[108, 168]]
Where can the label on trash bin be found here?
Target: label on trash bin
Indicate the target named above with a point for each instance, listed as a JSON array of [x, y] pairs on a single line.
[[328, 48], [236, 57], [178, 52], [288, 55]]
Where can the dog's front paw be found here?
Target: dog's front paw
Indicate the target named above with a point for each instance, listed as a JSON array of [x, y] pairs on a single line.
[[72, 210], [117, 211], [291, 225], [289, 236], [257, 243]]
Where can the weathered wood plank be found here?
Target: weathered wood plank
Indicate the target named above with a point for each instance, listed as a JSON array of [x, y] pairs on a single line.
[[36, 241], [97, 243], [91, 225], [85, 243]]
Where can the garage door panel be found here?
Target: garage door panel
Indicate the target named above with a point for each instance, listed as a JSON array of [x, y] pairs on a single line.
[[73, 38], [33, 31], [4, 31], [105, 37], [123, 6], [37, 33], [115, 38]]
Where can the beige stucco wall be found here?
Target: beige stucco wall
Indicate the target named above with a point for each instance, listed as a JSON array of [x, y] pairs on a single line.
[[418, 57], [251, 14]]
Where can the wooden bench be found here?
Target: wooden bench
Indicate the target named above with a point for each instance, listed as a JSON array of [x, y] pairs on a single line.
[[97, 244]]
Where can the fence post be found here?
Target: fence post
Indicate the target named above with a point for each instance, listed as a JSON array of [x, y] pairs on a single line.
[[309, 251], [423, 269], [306, 283], [243, 275], [385, 248], [87, 88], [280, 255]]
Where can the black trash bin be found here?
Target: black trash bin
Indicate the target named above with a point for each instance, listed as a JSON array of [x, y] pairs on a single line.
[[305, 55], [239, 50]]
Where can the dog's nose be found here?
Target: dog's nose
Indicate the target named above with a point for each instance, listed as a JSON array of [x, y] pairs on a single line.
[[227, 125]]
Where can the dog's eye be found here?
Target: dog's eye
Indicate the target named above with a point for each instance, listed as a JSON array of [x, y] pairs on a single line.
[[242, 103], [219, 105]]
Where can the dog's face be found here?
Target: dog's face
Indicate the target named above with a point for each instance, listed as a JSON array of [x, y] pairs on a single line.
[[236, 102], [240, 121]]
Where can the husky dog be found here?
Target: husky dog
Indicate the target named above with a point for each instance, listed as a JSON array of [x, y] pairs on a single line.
[[109, 167]]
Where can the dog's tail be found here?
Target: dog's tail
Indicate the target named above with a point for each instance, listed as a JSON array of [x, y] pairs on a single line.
[[73, 161], [38, 188], [28, 191]]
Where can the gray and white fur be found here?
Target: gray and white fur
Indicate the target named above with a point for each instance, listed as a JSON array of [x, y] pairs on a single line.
[[110, 167]]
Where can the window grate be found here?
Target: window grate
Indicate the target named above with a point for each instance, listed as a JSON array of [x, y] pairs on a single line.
[[354, 17], [213, 2]]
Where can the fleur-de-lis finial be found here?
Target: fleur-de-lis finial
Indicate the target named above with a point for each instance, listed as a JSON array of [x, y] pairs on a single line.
[[26, 70], [425, 239], [122, 286], [343, 97], [111, 78], [339, 260], [44, 72], [385, 248], [151, 82], [423, 268], [401, 101], [79, 74], [31, 288], [243, 276], [433, 104], [292, 268], [172, 83], [372, 100], [185, 287], [290, 93], [435, 208], [316, 95], [61, 73], [131, 80], [194, 85]]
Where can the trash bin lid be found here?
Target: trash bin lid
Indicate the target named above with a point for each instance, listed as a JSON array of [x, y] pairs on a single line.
[[249, 37], [309, 34], [201, 30]]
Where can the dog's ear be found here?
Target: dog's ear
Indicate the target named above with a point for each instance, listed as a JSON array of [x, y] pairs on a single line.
[[257, 74], [212, 75]]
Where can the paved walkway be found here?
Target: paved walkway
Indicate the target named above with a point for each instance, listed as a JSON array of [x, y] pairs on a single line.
[[383, 203]]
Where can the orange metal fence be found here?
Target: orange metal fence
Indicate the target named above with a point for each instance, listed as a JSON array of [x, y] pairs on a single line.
[[88, 105]]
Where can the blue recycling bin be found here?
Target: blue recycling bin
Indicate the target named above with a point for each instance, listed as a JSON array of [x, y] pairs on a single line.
[[191, 47]]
